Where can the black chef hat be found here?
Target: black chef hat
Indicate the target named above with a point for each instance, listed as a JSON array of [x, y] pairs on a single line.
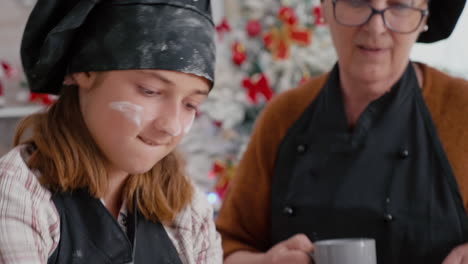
[[67, 36], [443, 16]]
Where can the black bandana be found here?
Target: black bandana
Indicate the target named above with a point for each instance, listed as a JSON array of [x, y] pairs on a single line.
[[63, 37], [443, 16]]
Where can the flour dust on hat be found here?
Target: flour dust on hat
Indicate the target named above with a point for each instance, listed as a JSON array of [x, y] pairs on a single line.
[[63, 37]]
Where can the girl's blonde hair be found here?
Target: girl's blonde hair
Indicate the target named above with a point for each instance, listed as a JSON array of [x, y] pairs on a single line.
[[67, 158]]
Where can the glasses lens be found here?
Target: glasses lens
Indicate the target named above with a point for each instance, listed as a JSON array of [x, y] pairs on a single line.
[[352, 12], [403, 19]]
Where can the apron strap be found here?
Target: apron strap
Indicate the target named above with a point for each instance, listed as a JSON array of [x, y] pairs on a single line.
[[445, 165]]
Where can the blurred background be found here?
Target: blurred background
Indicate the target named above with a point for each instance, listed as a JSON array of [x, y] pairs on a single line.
[[264, 47]]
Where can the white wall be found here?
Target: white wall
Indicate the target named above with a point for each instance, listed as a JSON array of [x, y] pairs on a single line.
[[450, 54], [218, 10], [13, 17]]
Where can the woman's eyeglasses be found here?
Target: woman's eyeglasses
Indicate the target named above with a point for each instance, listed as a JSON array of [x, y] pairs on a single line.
[[399, 18]]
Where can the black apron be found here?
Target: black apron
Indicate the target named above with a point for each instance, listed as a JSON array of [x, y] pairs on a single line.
[[90, 234], [388, 179]]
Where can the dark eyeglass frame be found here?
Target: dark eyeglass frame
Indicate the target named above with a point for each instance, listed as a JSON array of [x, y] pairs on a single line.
[[374, 11]]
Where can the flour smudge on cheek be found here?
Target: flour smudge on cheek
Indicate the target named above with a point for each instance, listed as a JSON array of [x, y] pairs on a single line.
[[133, 112]]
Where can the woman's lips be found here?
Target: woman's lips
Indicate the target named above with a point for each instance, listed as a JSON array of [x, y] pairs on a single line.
[[371, 49]]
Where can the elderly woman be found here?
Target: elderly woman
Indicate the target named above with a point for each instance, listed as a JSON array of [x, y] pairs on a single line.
[[378, 147]]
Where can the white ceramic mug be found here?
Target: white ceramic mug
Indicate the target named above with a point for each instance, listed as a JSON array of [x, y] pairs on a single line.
[[345, 251]]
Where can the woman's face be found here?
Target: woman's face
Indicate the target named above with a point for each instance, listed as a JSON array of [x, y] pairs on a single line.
[[137, 117], [372, 52]]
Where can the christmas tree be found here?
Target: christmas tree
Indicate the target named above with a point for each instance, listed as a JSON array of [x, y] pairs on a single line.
[[264, 47]]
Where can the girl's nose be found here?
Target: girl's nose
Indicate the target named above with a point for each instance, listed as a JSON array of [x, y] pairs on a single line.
[[169, 120]]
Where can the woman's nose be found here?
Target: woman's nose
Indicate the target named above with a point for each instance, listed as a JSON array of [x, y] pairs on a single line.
[[376, 24]]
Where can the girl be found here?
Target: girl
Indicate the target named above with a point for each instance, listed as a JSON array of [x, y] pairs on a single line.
[[98, 180]]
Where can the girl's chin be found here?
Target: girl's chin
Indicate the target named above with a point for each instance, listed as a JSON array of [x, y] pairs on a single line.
[[140, 164], [139, 170]]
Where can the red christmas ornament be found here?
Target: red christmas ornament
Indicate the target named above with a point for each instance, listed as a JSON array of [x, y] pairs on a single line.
[[217, 123], [221, 188], [253, 28], [238, 58], [300, 36], [268, 39], [279, 40], [44, 99], [318, 16], [224, 171], [7, 69], [223, 27], [238, 53], [218, 167], [287, 15], [258, 84], [305, 78]]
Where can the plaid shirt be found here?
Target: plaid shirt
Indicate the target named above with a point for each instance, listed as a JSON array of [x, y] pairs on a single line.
[[30, 226]]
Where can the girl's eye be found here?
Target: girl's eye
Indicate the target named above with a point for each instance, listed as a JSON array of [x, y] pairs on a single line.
[[192, 107], [148, 92]]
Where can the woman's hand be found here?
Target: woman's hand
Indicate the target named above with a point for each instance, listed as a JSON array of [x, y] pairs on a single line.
[[459, 255], [294, 250]]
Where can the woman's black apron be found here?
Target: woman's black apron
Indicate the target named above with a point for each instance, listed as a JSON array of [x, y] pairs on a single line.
[[388, 179], [90, 234]]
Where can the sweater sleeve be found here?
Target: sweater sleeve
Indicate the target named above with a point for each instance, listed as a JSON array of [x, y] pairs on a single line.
[[29, 223], [207, 243], [447, 100], [244, 219]]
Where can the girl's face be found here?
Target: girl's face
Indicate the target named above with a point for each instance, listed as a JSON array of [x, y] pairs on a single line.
[[137, 117]]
